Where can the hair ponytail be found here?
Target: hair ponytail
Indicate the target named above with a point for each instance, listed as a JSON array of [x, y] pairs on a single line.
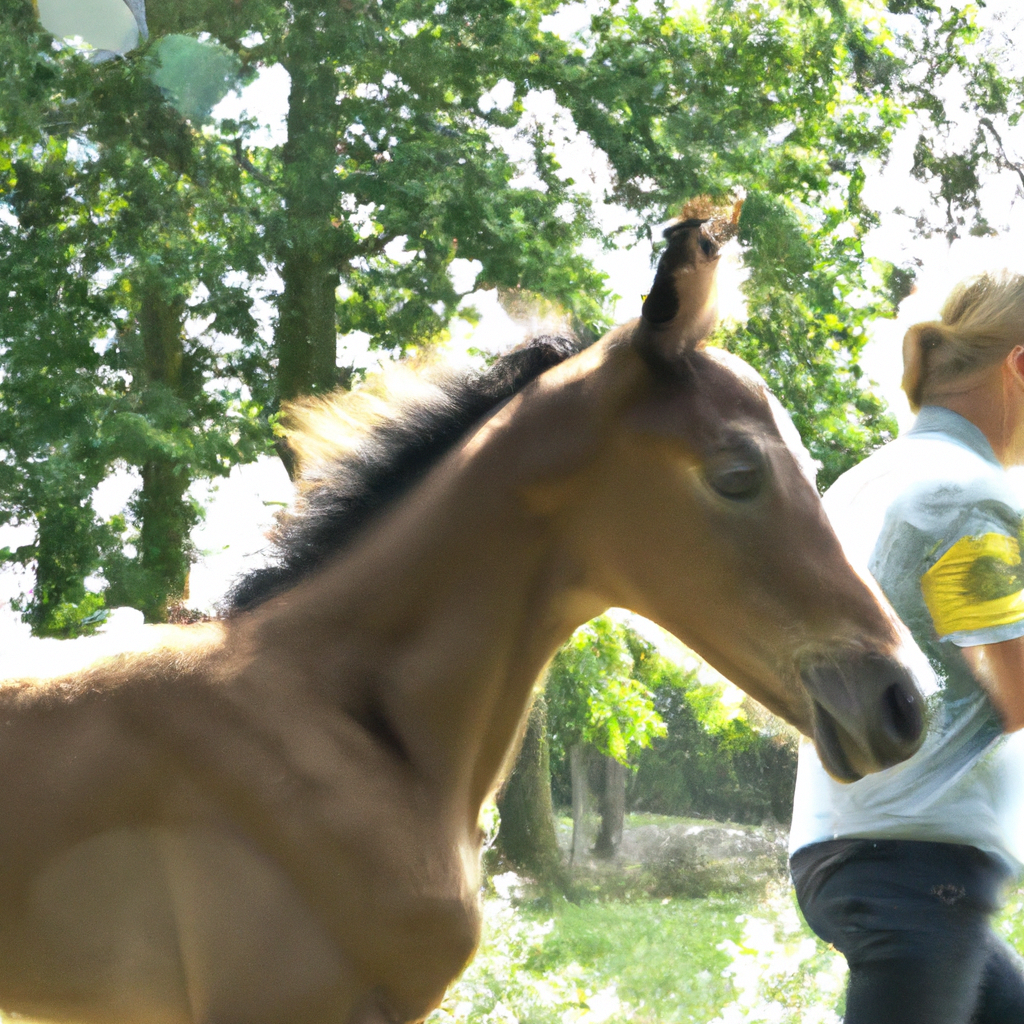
[[982, 321], [918, 345]]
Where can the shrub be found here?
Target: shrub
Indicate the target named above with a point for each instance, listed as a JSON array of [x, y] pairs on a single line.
[[732, 764], [728, 770]]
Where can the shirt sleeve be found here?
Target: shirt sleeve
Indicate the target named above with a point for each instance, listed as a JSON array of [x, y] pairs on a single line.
[[975, 590]]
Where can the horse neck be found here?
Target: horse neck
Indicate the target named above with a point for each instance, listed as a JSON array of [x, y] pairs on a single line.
[[445, 611]]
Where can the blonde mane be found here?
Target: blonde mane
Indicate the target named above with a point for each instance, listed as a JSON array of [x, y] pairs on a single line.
[[322, 430]]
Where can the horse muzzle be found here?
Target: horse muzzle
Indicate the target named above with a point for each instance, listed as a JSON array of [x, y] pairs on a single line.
[[867, 713]]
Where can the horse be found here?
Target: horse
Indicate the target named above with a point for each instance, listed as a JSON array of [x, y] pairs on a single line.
[[274, 815]]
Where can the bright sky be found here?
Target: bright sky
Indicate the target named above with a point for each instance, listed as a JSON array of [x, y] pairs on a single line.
[[241, 507]]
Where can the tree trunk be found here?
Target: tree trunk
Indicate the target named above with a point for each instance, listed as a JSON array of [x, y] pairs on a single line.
[[306, 334], [166, 519], [66, 552], [165, 515], [582, 801], [526, 834], [613, 809]]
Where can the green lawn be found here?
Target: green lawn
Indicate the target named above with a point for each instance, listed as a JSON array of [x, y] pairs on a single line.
[[661, 957], [728, 959], [647, 961]]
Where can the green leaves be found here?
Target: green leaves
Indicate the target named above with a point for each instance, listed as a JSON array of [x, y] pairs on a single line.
[[781, 103], [595, 696], [809, 297], [785, 103], [691, 752], [122, 231], [139, 233]]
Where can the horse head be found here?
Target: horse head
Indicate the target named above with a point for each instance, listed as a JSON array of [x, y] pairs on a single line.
[[719, 534]]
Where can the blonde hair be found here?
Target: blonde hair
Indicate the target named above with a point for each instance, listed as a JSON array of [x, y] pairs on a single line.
[[982, 321]]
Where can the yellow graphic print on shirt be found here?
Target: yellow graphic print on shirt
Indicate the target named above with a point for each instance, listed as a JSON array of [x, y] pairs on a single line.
[[977, 584]]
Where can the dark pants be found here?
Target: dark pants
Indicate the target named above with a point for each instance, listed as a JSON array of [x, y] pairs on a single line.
[[912, 920]]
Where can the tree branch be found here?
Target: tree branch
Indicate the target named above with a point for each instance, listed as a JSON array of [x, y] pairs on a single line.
[[1002, 161], [243, 161]]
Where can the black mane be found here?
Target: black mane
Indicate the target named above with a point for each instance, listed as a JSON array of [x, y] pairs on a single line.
[[348, 492]]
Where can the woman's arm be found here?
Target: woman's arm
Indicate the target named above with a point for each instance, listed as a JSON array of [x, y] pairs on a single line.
[[1000, 670]]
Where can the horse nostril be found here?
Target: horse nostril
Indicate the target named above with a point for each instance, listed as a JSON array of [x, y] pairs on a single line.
[[901, 714]]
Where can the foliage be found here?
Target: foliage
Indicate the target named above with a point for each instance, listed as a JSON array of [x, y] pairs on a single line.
[[698, 757], [595, 695], [129, 226], [135, 239], [791, 104], [390, 172], [715, 762], [807, 310], [122, 233]]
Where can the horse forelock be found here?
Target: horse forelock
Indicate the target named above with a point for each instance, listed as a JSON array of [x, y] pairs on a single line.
[[358, 451]]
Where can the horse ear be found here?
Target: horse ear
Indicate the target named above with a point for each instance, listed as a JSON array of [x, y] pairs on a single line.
[[681, 309]]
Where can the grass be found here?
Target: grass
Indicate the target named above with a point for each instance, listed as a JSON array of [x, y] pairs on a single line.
[[663, 958], [725, 958], [722, 958], [651, 962]]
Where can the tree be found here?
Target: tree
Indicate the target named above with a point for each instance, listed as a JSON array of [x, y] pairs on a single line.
[[787, 103], [784, 104], [598, 704], [389, 170], [123, 227], [160, 224], [715, 759], [389, 173], [526, 832], [733, 763]]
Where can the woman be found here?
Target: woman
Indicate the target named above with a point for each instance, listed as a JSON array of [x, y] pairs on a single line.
[[902, 871]]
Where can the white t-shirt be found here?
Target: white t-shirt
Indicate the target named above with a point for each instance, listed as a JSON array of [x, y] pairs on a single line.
[[933, 518]]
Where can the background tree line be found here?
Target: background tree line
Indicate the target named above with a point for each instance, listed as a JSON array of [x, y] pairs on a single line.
[[621, 727], [143, 242], [137, 234]]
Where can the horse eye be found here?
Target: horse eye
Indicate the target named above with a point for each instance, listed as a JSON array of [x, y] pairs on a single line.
[[736, 476]]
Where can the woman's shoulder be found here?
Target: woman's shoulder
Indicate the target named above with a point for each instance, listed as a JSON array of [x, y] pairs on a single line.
[[929, 471], [920, 493], [909, 471]]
